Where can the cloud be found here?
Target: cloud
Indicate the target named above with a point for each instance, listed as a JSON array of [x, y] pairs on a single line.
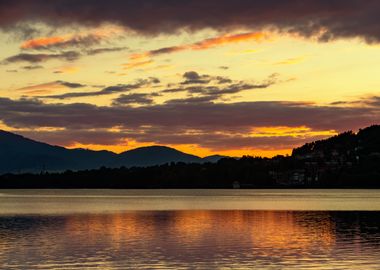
[[194, 100], [105, 50], [66, 69], [204, 123], [22, 31], [49, 87], [192, 77], [35, 58], [215, 87], [70, 85], [51, 43], [52, 84], [32, 67], [135, 98], [82, 40], [364, 102], [107, 90], [324, 19], [136, 64], [42, 43], [27, 68], [204, 44], [41, 57]]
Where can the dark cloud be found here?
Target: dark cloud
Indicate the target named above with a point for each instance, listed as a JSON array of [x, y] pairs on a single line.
[[174, 90], [105, 50], [107, 90], [223, 80], [327, 19], [373, 101], [49, 85], [22, 31], [367, 101], [33, 67], [192, 77], [70, 84], [35, 58], [42, 57], [221, 86], [135, 98], [194, 100], [204, 123], [59, 43]]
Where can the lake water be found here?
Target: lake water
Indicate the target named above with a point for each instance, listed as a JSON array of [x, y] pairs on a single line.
[[190, 229]]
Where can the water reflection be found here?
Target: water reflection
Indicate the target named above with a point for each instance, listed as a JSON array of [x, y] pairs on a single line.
[[192, 239]]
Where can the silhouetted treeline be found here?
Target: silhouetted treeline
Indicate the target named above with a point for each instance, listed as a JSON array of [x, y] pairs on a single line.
[[347, 160]]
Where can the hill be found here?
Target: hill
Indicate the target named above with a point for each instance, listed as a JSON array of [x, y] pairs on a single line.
[[19, 154]]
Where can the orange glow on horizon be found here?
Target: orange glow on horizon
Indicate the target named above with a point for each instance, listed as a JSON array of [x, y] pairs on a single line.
[[279, 131], [301, 132], [189, 149]]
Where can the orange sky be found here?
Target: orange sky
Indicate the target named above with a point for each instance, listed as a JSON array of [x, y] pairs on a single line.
[[239, 81]]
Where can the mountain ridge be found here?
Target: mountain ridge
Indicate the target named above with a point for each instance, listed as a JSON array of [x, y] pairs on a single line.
[[21, 154]]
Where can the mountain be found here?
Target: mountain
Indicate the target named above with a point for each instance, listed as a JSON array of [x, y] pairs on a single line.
[[214, 158], [153, 155], [20, 154]]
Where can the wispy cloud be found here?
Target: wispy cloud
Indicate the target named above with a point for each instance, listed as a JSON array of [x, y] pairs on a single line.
[[135, 98], [45, 88], [205, 44], [82, 40], [32, 67], [41, 57], [105, 50], [66, 69], [114, 89], [207, 88], [137, 64]]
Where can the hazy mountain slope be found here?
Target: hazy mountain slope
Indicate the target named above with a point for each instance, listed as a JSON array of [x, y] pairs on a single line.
[[20, 154]]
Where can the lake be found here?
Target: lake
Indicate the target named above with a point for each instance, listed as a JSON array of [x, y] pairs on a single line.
[[189, 229]]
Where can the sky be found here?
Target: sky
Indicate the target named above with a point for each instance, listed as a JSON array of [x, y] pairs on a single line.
[[240, 77]]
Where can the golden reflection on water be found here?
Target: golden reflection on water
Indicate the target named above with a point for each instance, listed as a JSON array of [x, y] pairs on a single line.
[[203, 239], [265, 228]]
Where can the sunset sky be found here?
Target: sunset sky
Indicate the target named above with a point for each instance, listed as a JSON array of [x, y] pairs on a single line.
[[205, 77]]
